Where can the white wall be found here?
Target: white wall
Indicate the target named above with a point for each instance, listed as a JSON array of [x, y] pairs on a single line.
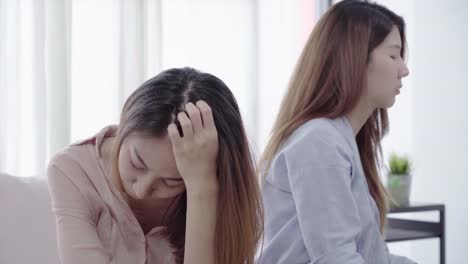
[[283, 29], [429, 121], [218, 37], [441, 117]]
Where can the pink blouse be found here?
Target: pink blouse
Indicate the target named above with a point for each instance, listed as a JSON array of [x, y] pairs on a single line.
[[94, 223]]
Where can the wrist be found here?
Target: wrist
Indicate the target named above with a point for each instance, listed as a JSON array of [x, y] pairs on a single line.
[[202, 188]]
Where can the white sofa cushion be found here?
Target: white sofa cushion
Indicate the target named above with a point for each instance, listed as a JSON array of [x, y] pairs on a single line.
[[27, 225]]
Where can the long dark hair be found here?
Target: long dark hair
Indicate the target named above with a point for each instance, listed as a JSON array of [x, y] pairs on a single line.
[[152, 107], [329, 79]]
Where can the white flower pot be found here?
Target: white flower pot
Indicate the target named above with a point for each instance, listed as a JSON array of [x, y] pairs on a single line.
[[399, 188]]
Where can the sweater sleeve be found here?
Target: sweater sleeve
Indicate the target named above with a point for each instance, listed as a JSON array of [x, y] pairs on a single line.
[[319, 173], [78, 241]]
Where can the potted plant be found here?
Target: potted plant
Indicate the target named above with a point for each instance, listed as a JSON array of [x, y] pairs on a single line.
[[399, 180]]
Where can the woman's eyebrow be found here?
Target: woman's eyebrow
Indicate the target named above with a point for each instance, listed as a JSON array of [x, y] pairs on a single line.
[[395, 46]]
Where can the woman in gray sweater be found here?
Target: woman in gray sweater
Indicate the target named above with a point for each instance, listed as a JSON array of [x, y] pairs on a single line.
[[324, 201]]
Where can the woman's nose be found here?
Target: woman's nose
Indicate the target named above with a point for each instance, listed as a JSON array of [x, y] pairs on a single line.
[[404, 71], [143, 188]]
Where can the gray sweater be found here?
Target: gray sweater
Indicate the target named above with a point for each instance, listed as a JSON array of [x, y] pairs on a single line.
[[318, 209]]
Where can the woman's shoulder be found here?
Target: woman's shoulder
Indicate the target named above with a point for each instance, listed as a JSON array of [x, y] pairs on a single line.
[[71, 167], [318, 130], [79, 162], [74, 173], [84, 153], [72, 156], [318, 141]]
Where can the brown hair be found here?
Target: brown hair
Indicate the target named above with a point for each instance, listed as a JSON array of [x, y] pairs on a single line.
[[329, 79], [152, 107]]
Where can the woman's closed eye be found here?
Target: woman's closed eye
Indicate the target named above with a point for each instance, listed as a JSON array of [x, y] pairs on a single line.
[[135, 166]]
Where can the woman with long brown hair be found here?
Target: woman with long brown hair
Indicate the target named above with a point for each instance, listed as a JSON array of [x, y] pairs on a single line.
[[174, 182], [324, 202]]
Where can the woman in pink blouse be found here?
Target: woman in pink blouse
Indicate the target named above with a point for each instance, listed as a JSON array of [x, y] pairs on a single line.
[[174, 182]]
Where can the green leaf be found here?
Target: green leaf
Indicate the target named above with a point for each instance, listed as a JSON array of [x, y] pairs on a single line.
[[399, 165]]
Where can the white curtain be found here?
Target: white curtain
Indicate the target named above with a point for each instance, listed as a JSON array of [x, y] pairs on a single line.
[[67, 66], [23, 86]]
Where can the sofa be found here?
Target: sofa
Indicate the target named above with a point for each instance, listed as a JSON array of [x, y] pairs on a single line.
[[27, 225]]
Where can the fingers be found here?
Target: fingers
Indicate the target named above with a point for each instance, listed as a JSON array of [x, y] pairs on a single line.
[[199, 117], [186, 124], [207, 115], [174, 134], [195, 117]]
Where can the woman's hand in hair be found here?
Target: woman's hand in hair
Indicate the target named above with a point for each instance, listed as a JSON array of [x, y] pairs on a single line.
[[196, 151]]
